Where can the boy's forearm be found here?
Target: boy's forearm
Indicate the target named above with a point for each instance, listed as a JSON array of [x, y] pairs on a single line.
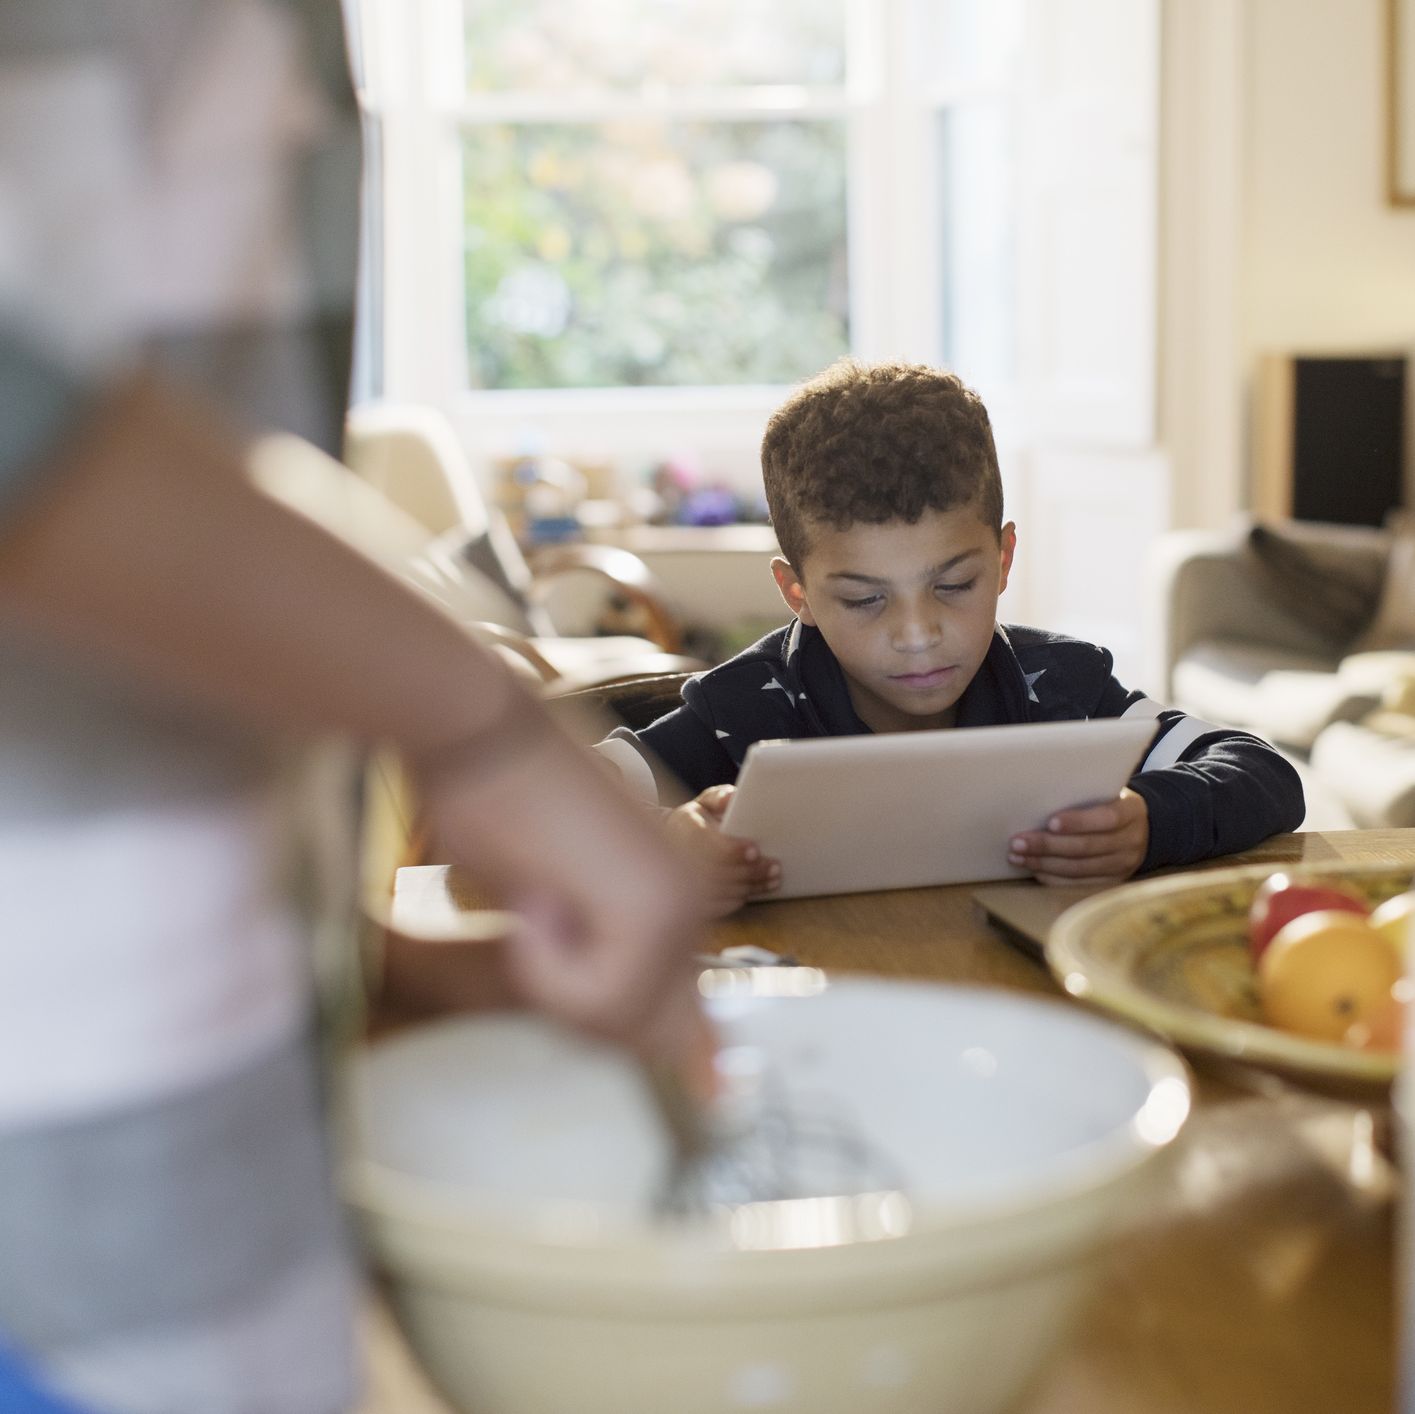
[[1229, 797], [148, 548]]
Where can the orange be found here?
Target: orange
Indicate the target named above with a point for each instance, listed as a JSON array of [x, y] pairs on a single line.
[[1325, 971], [1383, 1031]]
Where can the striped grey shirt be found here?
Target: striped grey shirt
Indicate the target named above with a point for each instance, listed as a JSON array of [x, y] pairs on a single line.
[[178, 190]]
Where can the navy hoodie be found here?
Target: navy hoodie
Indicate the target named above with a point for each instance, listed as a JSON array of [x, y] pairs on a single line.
[[1210, 790]]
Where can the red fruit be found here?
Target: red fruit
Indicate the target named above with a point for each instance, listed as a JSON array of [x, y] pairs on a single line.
[[1282, 898]]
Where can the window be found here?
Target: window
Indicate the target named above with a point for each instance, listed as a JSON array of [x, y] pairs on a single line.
[[611, 229], [654, 191], [693, 194]]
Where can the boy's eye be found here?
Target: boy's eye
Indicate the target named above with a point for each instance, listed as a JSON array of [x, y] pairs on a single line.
[[868, 602], [956, 588]]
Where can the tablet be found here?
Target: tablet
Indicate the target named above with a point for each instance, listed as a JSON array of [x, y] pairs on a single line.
[[907, 809]]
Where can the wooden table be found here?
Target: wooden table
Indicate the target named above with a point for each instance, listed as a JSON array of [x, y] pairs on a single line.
[[1263, 1282]]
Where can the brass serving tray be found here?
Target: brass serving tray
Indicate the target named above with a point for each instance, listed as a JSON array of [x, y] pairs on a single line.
[[1171, 954]]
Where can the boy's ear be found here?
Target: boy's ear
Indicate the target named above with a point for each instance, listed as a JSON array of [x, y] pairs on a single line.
[[791, 590], [1009, 548]]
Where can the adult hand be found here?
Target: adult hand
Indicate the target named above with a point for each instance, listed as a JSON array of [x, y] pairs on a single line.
[[612, 914], [1094, 845], [735, 868]]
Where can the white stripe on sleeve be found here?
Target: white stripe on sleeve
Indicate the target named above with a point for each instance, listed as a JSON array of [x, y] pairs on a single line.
[[629, 762], [1176, 741]]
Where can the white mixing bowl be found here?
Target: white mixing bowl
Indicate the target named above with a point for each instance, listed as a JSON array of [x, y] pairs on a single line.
[[504, 1173]]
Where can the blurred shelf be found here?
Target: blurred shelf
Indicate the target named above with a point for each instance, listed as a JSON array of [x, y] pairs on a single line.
[[679, 539], [715, 576]]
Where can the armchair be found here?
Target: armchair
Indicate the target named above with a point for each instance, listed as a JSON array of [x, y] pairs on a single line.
[[444, 568], [1242, 641], [1301, 632], [411, 454]]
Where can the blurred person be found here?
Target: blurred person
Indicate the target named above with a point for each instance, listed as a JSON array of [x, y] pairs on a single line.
[[178, 186]]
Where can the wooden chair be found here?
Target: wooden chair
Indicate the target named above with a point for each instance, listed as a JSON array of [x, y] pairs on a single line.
[[633, 702]]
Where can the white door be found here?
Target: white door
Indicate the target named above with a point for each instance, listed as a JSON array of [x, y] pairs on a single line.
[[1090, 484]]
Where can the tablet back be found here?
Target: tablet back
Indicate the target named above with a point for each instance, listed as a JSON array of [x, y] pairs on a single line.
[[907, 809]]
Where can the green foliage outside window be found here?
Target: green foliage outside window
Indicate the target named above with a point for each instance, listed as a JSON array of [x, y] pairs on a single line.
[[633, 253]]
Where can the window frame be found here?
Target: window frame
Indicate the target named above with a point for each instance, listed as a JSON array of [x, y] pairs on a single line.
[[413, 90]]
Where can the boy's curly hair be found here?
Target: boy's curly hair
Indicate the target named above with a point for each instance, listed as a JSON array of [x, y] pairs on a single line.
[[873, 443]]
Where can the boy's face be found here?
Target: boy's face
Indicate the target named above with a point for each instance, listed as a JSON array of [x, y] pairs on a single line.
[[908, 610]]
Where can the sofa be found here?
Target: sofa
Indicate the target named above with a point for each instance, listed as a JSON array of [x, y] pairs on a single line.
[[1303, 632]]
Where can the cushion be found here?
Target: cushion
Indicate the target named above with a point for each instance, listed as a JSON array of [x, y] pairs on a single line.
[[1284, 696], [1338, 594], [1378, 672], [1394, 623], [1373, 774], [1293, 708]]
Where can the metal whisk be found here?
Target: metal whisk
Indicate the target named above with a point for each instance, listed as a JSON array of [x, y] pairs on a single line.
[[757, 1144]]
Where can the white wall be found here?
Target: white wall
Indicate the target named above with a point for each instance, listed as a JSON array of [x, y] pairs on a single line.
[[1277, 235], [1201, 186], [1327, 264]]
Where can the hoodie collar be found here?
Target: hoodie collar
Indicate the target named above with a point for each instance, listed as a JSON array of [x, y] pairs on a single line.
[[825, 698], [997, 694]]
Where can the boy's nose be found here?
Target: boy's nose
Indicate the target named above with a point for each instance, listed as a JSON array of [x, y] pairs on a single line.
[[915, 631]]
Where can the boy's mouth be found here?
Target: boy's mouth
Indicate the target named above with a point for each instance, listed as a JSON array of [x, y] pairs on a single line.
[[935, 677]]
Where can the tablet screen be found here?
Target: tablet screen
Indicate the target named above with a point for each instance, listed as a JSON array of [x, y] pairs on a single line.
[[908, 809]]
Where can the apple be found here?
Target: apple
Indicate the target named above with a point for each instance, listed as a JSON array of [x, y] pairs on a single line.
[[1283, 897]]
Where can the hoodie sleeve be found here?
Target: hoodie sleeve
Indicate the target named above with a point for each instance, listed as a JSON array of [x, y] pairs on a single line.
[[701, 743], [680, 749], [1210, 790]]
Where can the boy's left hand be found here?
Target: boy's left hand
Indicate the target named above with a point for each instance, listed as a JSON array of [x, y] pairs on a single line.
[[1094, 845]]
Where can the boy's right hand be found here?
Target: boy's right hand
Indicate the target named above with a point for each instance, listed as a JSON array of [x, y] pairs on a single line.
[[735, 868]]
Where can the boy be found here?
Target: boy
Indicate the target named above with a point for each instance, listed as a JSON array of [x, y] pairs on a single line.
[[885, 495]]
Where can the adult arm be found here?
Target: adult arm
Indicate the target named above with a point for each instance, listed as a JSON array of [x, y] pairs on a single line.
[[142, 546]]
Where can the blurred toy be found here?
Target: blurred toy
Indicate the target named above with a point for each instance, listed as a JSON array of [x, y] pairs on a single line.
[[710, 505], [677, 494], [540, 497], [673, 481]]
